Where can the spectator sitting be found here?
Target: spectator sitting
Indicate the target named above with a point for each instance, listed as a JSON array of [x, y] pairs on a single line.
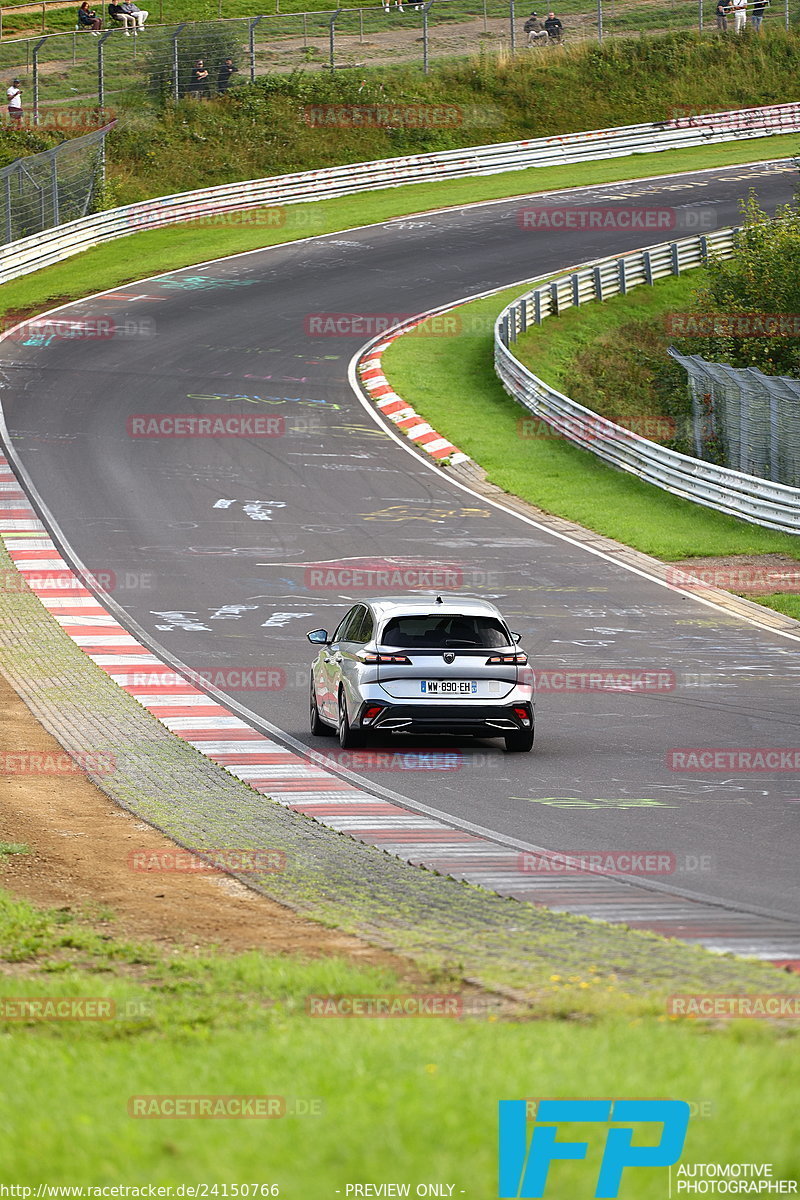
[[555, 30], [535, 30], [226, 69], [88, 18], [118, 14], [139, 15]]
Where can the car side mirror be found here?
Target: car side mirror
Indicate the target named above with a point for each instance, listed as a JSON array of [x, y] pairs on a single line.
[[516, 638], [319, 637]]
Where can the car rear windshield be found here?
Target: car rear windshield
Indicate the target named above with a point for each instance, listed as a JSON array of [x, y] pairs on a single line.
[[437, 631]]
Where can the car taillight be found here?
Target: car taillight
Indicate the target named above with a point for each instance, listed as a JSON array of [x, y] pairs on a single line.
[[522, 715], [518, 658], [371, 713], [367, 657]]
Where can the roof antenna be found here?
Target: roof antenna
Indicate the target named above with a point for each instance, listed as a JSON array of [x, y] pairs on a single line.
[[439, 600]]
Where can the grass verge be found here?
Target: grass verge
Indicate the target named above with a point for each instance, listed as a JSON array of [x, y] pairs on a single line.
[[167, 249], [205, 1024], [451, 382]]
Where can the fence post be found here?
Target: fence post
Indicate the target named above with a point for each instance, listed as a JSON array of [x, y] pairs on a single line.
[[425, 10], [44, 16], [40, 43], [54, 185], [599, 20], [485, 21], [700, 15], [305, 31], [361, 24], [253, 24], [512, 16], [9, 223], [786, 14], [101, 75], [332, 40], [176, 89]]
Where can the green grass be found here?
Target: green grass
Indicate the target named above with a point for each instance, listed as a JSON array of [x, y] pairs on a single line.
[[408, 1100], [451, 382], [781, 602]]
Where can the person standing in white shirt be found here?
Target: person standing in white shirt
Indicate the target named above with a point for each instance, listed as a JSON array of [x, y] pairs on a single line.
[[739, 15], [14, 99]]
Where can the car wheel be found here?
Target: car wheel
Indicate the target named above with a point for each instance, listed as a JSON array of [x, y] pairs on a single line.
[[318, 726], [519, 742], [349, 739]]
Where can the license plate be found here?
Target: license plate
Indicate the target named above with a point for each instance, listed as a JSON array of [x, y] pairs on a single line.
[[448, 687]]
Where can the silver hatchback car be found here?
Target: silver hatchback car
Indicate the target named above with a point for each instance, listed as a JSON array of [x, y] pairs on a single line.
[[422, 665]]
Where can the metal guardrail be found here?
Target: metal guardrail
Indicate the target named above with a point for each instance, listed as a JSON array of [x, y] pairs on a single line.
[[758, 501], [41, 250]]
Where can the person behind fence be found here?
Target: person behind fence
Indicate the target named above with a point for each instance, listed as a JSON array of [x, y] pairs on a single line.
[[555, 30], [759, 7], [535, 30], [139, 15], [198, 84], [120, 17], [14, 100], [226, 70], [722, 11], [739, 15], [88, 18]]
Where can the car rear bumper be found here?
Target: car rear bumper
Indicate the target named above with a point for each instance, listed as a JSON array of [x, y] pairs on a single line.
[[475, 719]]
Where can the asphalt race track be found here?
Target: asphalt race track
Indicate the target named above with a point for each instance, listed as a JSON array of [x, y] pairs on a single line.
[[213, 542]]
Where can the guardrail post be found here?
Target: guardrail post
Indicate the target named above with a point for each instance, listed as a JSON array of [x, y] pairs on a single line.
[[623, 283], [512, 16], [703, 248], [598, 284], [523, 315], [252, 40], [176, 81], [101, 75], [554, 297], [648, 268], [576, 289], [36, 48], [512, 324], [537, 307], [675, 257]]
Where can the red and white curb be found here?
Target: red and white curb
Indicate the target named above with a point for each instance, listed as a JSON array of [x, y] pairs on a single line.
[[399, 411], [286, 777]]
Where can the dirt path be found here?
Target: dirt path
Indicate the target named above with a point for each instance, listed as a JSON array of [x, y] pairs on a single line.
[[80, 842]]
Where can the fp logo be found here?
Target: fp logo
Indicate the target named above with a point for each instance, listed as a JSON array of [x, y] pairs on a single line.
[[524, 1166]]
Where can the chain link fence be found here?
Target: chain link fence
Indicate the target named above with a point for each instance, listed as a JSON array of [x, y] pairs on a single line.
[[53, 187], [744, 419], [119, 66]]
